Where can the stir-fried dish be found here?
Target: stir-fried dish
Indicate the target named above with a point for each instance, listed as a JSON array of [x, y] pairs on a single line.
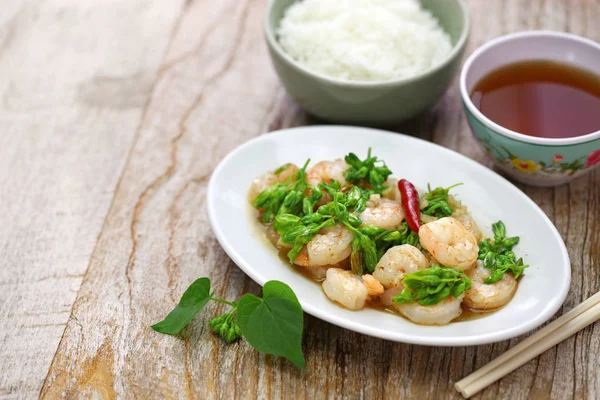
[[373, 240]]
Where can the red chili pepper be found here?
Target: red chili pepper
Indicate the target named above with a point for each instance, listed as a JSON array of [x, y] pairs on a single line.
[[410, 204]]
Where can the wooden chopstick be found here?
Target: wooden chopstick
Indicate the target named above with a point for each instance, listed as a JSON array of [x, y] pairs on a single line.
[[560, 329]]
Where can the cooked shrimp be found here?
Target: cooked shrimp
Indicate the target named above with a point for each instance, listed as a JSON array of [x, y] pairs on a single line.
[[392, 192], [449, 242], [438, 314], [488, 297], [265, 181], [275, 238], [387, 296], [470, 225], [326, 171], [316, 273], [374, 287], [328, 247], [396, 262], [345, 288], [382, 212]]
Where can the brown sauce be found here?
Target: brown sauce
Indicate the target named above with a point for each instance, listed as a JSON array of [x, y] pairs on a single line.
[[467, 313], [541, 98], [470, 315]]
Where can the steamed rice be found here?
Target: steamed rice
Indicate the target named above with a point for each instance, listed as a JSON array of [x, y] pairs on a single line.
[[363, 40]]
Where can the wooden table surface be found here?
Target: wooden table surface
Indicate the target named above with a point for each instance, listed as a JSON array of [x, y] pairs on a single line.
[[113, 115]]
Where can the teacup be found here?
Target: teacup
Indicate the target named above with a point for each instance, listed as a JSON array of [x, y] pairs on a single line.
[[532, 160]]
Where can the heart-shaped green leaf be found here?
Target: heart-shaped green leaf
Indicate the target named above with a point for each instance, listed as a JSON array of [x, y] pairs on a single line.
[[193, 300], [274, 323]]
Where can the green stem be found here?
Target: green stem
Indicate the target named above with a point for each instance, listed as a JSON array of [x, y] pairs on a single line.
[[351, 228], [305, 165], [453, 186], [234, 305]]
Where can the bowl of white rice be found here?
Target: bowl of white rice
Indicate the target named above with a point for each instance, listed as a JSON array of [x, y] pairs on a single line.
[[366, 62]]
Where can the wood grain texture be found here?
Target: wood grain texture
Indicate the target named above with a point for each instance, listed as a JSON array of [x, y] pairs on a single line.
[[214, 90], [74, 78]]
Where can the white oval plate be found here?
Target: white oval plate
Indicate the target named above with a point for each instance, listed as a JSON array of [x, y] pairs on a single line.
[[488, 196]]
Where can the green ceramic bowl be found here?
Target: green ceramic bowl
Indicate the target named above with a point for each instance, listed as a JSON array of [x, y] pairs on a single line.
[[369, 103], [532, 160]]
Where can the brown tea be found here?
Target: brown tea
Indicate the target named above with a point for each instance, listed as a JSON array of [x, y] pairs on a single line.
[[541, 98]]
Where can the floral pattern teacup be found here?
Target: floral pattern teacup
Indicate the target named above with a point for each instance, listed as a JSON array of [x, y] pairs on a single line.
[[532, 160]]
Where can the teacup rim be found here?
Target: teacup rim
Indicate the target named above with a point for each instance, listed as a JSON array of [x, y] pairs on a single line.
[[499, 128]]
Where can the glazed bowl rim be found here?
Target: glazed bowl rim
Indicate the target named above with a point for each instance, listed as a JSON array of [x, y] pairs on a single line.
[[457, 48], [505, 131]]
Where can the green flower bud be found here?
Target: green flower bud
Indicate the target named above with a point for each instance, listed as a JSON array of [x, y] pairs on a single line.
[[216, 321], [223, 329], [231, 335]]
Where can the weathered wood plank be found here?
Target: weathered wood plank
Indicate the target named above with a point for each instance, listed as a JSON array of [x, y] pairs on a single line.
[[157, 238], [74, 77], [215, 91]]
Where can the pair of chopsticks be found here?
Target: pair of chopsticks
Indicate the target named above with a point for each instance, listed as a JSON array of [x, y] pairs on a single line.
[[575, 320]]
